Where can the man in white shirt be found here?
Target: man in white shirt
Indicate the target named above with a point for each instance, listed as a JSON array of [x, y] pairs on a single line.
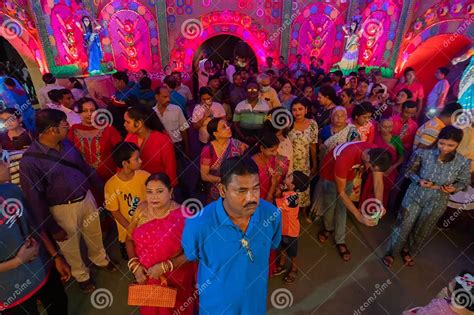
[[268, 93], [172, 118], [182, 89], [230, 71], [204, 112], [66, 105], [50, 82], [437, 96]]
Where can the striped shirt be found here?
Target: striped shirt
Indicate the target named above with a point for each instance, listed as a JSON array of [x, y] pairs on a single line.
[[14, 158], [250, 117], [428, 133]]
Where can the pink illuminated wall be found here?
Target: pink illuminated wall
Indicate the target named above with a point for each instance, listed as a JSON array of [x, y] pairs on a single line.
[[64, 31], [446, 17], [130, 39], [197, 31], [18, 27], [67, 36], [379, 26], [317, 31], [192, 22]]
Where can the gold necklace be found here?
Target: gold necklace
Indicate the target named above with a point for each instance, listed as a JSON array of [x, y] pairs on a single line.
[[166, 213]]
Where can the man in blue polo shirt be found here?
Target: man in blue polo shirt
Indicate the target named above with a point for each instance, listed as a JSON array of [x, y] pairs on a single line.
[[232, 239]]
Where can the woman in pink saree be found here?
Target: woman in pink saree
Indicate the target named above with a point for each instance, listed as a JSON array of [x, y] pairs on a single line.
[[272, 167], [154, 245]]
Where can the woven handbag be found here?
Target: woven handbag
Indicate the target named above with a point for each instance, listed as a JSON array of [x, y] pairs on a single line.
[[152, 295]]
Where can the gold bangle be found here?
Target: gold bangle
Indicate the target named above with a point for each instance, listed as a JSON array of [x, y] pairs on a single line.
[[131, 261], [171, 265], [136, 268], [133, 265], [163, 267]]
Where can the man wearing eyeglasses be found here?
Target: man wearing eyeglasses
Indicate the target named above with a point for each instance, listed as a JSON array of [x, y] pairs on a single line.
[[249, 115], [231, 240], [57, 181]]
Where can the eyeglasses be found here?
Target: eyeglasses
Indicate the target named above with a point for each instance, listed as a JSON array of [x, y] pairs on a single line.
[[252, 90]]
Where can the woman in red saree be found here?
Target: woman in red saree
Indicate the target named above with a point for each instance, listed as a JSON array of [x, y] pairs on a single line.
[[148, 133], [393, 144], [272, 167], [95, 138], [154, 245]]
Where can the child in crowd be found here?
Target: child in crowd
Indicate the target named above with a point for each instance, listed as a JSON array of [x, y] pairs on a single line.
[[53, 96], [362, 119], [126, 189], [66, 102], [288, 204]]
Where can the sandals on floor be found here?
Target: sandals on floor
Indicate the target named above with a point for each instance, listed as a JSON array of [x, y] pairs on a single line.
[[388, 260], [344, 252], [291, 276], [87, 286], [407, 258], [279, 271], [323, 236]]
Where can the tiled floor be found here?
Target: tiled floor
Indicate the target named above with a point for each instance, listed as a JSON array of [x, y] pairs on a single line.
[[326, 284]]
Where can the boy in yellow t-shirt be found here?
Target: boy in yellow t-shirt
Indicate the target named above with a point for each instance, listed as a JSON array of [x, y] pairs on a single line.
[[126, 189]]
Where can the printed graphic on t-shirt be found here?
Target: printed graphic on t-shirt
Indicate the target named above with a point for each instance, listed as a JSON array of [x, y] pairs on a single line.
[[132, 203]]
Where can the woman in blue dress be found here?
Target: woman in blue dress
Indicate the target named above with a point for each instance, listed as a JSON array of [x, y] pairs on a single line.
[[92, 42], [435, 174]]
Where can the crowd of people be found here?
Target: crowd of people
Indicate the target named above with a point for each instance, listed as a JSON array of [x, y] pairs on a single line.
[[259, 150]]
